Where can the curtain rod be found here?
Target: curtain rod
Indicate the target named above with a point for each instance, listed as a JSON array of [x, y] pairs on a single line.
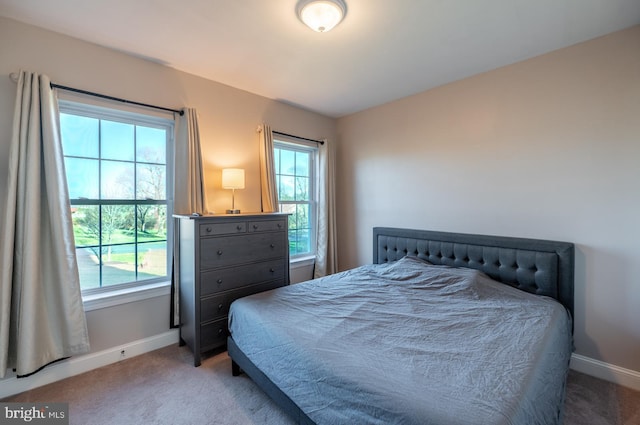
[[298, 137], [117, 99]]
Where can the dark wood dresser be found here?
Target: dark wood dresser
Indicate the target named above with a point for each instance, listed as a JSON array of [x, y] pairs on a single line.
[[222, 258]]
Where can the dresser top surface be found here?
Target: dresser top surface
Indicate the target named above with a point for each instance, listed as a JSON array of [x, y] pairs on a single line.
[[221, 216]]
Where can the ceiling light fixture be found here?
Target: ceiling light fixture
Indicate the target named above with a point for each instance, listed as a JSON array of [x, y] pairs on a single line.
[[321, 15]]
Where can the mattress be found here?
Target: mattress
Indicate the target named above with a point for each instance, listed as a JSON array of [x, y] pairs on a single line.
[[410, 343]]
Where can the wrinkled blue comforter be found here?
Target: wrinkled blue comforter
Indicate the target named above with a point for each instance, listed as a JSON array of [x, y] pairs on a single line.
[[410, 343]]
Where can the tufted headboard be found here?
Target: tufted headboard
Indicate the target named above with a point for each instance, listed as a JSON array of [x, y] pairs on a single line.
[[538, 266]]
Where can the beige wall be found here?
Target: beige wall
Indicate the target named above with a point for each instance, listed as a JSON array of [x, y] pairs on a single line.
[[547, 148], [228, 119]]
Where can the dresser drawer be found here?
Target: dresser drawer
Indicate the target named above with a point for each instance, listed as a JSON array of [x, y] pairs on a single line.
[[213, 334], [213, 229], [217, 306], [232, 250], [224, 279], [266, 225]]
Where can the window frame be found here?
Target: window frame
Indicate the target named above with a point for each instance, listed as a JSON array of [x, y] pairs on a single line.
[[294, 144], [126, 291]]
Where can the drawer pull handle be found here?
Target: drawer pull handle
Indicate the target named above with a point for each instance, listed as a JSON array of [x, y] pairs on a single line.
[[220, 307], [271, 270], [272, 245], [255, 226], [219, 252], [208, 229], [279, 225], [238, 227], [220, 331], [219, 281]]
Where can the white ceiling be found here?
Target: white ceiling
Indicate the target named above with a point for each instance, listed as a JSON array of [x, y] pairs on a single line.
[[382, 51]]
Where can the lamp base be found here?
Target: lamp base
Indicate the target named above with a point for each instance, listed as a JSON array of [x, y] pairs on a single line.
[[233, 211]]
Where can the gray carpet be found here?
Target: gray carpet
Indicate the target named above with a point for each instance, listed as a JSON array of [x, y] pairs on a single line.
[[163, 387]]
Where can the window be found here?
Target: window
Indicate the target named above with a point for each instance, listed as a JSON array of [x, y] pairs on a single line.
[[295, 165], [119, 169]]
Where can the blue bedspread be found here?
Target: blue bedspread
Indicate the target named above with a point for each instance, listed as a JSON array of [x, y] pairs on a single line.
[[410, 343]]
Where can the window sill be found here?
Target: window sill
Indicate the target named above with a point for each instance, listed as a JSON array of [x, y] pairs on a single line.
[[123, 296], [299, 262]]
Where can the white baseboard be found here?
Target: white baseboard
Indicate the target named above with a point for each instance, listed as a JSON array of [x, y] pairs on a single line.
[[616, 374], [80, 364]]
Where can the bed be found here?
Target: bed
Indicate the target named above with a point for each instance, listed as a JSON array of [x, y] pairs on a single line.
[[442, 328]]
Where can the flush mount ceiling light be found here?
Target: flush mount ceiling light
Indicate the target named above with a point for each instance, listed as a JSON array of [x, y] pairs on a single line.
[[321, 15]]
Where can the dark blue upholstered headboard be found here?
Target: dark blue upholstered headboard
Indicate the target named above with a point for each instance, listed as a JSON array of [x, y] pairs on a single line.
[[538, 266]]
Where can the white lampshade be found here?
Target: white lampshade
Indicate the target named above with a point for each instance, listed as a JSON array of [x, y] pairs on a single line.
[[233, 178], [321, 15]]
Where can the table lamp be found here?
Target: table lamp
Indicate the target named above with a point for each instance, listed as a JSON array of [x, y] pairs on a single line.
[[233, 178]]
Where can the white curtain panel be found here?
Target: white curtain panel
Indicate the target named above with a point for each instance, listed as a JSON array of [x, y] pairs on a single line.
[[42, 318], [189, 185], [326, 250], [268, 189], [189, 191]]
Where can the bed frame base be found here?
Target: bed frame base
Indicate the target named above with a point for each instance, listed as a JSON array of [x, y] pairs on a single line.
[[240, 363]]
